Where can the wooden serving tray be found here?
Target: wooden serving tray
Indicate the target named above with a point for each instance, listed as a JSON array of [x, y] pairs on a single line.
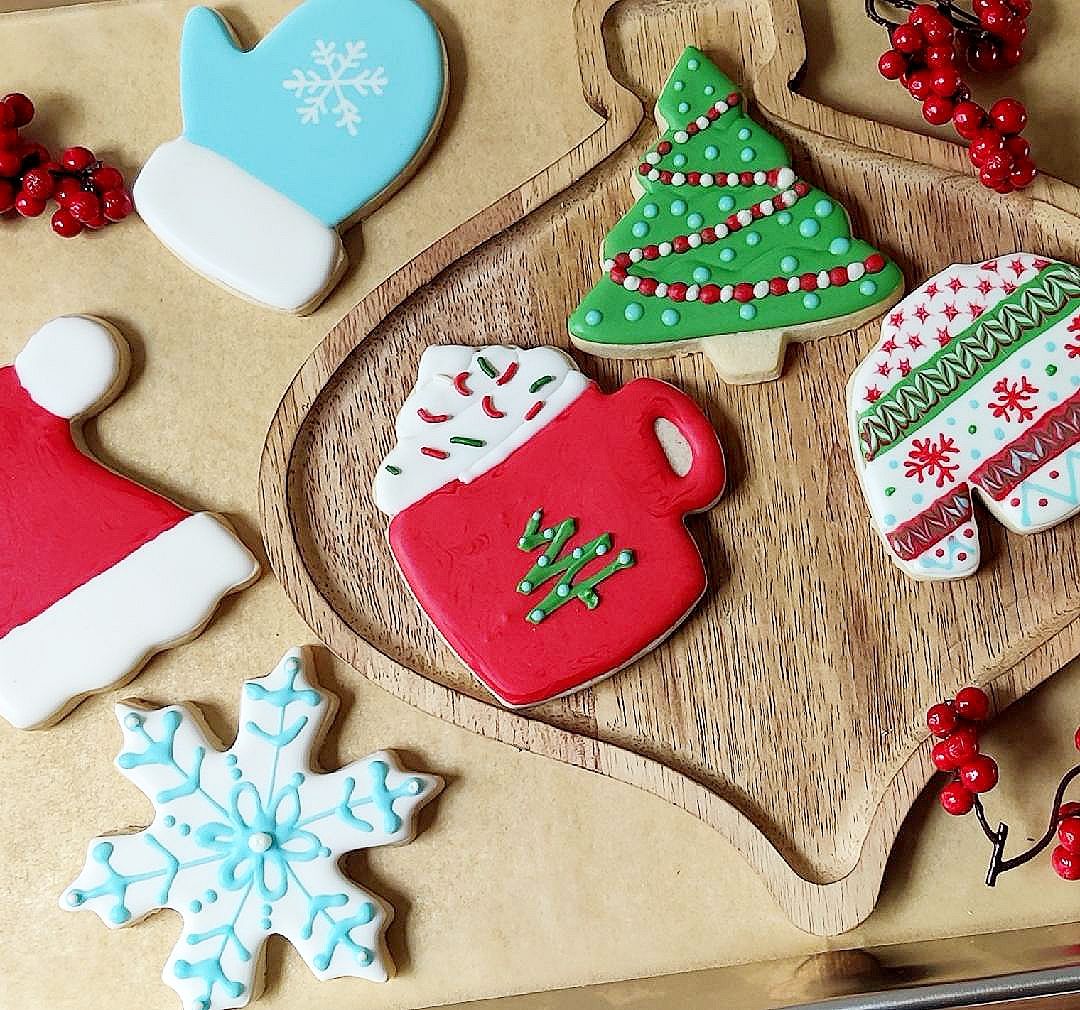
[[788, 711]]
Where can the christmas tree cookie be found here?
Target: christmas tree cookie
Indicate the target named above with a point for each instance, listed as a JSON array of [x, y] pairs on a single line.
[[246, 842], [727, 251], [974, 387], [539, 521], [96, 572]]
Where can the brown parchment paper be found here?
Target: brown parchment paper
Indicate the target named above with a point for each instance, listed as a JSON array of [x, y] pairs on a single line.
[[529, 875]]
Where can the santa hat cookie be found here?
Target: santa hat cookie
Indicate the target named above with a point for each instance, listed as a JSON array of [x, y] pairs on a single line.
[[285, 144], [974, 387], [96, 572]]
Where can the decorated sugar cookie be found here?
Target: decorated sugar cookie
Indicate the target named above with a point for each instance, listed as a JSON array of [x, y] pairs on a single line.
[[246, 842], [973, 387], [539, 521], [727, 251], [290, 142], [96, 572]]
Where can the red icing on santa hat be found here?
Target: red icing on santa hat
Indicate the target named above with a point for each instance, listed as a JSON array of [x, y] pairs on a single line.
[[96, 571]]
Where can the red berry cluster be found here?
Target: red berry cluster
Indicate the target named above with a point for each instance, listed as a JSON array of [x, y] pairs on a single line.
[[89, 192], [1066, 855], [926, 56], [957, 750]]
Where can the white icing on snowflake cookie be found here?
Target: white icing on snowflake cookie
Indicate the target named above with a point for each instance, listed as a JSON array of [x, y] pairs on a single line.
[[246, 842], [287, 143], [975, 386], [96, 572]]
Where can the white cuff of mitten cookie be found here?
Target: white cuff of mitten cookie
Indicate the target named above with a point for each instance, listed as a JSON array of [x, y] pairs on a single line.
[[235, 229], [159, 594]]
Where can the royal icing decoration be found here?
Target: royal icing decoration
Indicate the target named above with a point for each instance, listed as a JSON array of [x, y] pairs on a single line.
[[287, 143], [973, 387], [727, 250], [245, 842], [96, 572], [538, 521]]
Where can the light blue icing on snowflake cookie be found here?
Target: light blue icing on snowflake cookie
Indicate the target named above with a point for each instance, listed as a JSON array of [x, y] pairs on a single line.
[[246, 842], [296, 136]]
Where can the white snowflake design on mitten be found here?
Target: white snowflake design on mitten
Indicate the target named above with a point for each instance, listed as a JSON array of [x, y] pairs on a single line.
[[245, 842], [316, 88]]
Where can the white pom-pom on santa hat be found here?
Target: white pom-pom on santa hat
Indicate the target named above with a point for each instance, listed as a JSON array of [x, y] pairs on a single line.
[[71, 365]]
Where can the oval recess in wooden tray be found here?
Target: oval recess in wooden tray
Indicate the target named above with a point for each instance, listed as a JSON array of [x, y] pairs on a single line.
[[787, 712]]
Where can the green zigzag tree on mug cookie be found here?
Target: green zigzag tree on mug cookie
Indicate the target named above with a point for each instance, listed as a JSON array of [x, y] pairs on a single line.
[[726, 251]]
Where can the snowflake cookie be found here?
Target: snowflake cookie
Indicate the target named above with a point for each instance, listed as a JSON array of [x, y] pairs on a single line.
[[974, 387], [292, 141], [246, 842]]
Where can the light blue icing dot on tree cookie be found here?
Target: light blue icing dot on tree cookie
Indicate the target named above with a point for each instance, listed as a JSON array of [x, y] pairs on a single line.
[[701, 275], [678, 207], [710, 90], [650, 210], [640, 229], [726, 203], [634, 311], [594, 317], [679, 85], [679, 160], [839, 245], [747, 311], [684, 107], [692, 64], [747, 154], [784, 217], [727, 254], [712, 152], [744, 133], [695, 220], [753, 238], [789, 264], [868, 288], [669, 317], [811, 300], [809, 228], [823, 208]]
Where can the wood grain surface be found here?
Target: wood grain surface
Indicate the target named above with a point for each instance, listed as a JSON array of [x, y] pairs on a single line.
[[787, 713]]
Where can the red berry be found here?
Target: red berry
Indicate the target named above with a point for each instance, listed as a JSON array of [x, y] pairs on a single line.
[[1068, 810], [921, 85], [1076, 739], [1022, 8], [985, 55], [1009, 116], [1069, 834], [66, 188], [34, 154], [921, 13], [973, 704], [10, 164], [980, 774], [938, 32], [7, 196], [96, 222], [117, 204], [939, 56], [75, 159], [7, 116], [27, 205], [84, 206], [1023, 173], [21, 107], [1018, 147], [945, 82], [997, 19], [106, 178], [64, 224], [1011, 56], [9, 139], [968, 119], [891, 65], [985, 143], [956, 799], [941, 719], [1066, 865], [907, 39], [39, 182], [941, 757], [962, 744], [937, 111]]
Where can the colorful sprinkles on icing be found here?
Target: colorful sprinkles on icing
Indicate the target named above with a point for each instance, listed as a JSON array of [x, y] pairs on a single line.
[[245, 842], [972, 386], [725, 237]]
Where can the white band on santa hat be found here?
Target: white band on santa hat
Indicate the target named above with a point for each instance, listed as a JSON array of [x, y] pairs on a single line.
[[70, 364]]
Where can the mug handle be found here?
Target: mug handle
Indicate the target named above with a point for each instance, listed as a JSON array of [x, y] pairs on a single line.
[[646, 402]]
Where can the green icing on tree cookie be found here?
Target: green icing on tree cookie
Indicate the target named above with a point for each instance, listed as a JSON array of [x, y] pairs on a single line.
[[724, 237]]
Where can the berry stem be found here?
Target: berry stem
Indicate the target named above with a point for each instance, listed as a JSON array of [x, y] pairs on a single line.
[[998, 865]]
